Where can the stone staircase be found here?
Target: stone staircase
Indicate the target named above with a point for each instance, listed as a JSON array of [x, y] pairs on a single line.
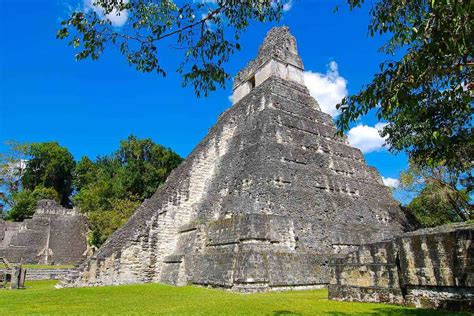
[[72, 275]]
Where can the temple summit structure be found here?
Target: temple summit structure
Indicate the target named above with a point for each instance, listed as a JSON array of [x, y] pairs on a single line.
[[263, 202]]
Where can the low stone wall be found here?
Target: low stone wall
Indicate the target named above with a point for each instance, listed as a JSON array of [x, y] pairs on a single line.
[[46, 274], [429, 268]]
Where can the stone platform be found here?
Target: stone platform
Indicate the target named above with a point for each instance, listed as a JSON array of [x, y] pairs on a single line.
[[429, 268]]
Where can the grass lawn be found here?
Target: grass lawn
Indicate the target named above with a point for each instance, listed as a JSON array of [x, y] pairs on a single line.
[[39, 266], [41, 298]]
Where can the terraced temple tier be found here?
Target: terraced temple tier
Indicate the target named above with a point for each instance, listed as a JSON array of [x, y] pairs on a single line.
[[54, 235], [262, 202]]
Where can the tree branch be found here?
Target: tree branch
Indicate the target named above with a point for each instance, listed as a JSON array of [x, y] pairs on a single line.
[[202, 21]]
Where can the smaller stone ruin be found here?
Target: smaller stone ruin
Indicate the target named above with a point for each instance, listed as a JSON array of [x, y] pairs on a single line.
[[55, 235], [11, 275], [428, 268]]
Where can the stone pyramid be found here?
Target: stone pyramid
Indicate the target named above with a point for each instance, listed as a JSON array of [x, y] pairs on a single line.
[[264, 200]]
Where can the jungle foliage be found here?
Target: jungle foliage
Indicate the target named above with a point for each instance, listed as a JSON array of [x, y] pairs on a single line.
[[112, 187], [106, 190], [426, 95], [50, 166], [440, 196], [30, 172]]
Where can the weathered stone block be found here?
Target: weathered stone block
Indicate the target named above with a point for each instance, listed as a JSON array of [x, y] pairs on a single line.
[[431, 268], [312, 269], [365, 294], [214, 268]]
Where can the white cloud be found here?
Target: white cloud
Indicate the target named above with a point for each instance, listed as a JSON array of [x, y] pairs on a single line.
[[391, 182], [328, 89], [117, 18], [367, 138]]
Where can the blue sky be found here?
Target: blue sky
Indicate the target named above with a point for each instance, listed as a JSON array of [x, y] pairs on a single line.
[[89, 106]]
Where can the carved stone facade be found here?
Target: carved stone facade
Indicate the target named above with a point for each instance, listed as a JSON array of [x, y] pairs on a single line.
[[261, 203], [55, 235], [430, 268]]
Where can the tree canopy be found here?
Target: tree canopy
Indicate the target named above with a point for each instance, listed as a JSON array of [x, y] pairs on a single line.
[[145, 165], [110, 189], [432, 208], [12, 165], [426, 95], [25, 202], [206, 32], [30, 172], [51, 166], [441, 196]]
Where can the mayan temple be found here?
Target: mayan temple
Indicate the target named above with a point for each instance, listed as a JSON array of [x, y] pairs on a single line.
[[54, 235], [264, 200]]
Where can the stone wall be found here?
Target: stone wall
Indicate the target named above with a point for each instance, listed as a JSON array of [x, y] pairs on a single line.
[[45, 274], [55, 235], [431, 268]]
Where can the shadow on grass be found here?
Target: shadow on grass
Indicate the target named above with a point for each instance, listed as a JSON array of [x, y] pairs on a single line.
[[283, 313]]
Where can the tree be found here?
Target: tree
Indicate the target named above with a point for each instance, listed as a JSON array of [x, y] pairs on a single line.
[[207, 32], [50, 166], [441, 196], [104, 222], [145, 165], [106, 205], [84, 173], [25, 202], [425, 96], [432, 207], [109, 190], [12, 165]]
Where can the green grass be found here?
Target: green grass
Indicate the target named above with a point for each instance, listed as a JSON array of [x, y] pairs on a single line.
[[40, 266], [41, 298]]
